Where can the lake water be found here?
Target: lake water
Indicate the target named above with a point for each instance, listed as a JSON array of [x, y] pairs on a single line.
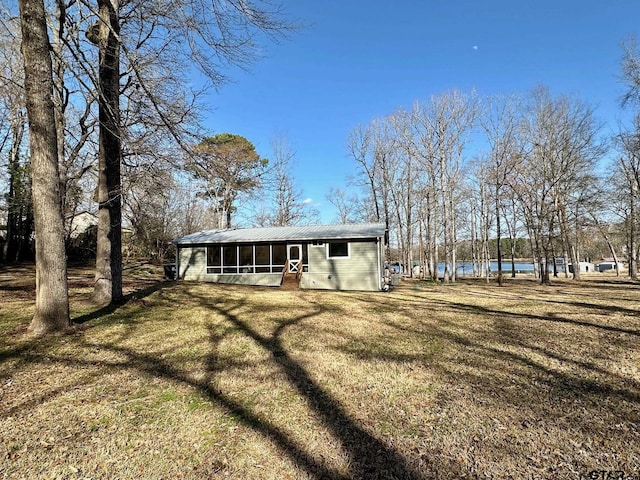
[[466, 268]]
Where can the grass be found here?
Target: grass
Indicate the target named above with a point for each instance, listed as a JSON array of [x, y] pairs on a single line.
[[192, 380]]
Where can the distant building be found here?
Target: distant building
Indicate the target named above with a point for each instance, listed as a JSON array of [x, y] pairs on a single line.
[[81, 223], [585, 267], [609, 265]]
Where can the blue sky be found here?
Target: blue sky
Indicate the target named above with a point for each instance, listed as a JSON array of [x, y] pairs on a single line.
[[356, 60]]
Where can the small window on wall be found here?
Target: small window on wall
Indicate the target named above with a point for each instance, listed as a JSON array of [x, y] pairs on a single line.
[[338, 250], [214, 260]]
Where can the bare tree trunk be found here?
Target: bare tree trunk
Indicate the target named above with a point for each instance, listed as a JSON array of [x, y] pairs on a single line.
[[633, 267], [431, 254], [445, 219], [227, 221], [108, 279], [484, 222], [569, 250], [512, 237], [15, 197], [420, 249], [536, 256], [59, 101], [548, 257], [498, 235], [605, 235], [409, 208], [454, 239], [52, 299], [474, 240], [432, 235]]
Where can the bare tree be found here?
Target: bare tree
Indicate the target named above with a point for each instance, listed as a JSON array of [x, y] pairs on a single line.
[[404, 182], [628, 167], [482, 175], [52, 300], [281, 200], [628, 180], [500, 123], [143, 47], [561, 147], [13, 125], [630, 73], [345, 205], [445, 123], [106, 34], [511, 215]]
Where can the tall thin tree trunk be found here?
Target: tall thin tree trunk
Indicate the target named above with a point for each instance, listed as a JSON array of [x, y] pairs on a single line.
[[59, 101], [499, 236], [108, 280], [445, 221], [423, 262], [19, 195], [454, 239], [52, 299], [611, 249], [409, 207], [569, 254], [484, 212], [474, 240], [633, 268], [513, 237]]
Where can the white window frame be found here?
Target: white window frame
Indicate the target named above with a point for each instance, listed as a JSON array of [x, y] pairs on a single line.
[[339, 257]]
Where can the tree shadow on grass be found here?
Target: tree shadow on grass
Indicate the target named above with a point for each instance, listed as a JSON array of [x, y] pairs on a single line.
[[22, 350], [554, 318], [488, 353], [137, 295], [426, 303], [369, 457]]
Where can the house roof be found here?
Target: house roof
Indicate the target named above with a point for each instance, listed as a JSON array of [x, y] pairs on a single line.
[[275, 234]]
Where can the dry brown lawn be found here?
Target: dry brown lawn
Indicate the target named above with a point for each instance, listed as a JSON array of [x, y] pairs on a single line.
[[195, 381]]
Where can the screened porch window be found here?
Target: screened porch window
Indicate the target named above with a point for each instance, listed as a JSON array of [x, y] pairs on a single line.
[[214, 260], [263, 258], [246, 259], [249, 258], [279, 256], [230, 259]]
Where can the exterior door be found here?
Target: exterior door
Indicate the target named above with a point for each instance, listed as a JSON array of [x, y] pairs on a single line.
[[294, 255]]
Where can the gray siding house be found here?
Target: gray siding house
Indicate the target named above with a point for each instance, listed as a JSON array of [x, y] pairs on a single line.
[[331, 257]]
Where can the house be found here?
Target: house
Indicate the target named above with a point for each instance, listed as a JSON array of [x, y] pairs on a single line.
[[609, 265], [331, 257], [82, 223], [585, 267]]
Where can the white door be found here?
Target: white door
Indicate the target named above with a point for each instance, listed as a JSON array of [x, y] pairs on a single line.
[[294, 255]]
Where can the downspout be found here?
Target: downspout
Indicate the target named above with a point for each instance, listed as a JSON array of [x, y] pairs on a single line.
[[378, 267], [177, 262]]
